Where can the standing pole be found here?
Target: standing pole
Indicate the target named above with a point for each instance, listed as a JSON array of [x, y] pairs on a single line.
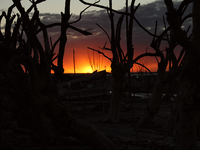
[[74, 61]]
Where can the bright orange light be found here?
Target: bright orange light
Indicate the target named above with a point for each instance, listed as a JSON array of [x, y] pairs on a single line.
[[87, 69], [82, 64]]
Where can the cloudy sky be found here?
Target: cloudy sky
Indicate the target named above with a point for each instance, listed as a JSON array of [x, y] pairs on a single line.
[[148, 13], [52, 6]]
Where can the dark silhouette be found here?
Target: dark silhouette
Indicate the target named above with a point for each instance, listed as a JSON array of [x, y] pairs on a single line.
[[29, 94], [121, 63], [29, 90], [187, 102], [168, 57]]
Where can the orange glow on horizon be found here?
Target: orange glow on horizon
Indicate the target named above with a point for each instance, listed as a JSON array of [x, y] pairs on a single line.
[[84, 67], [83, 56], [82, 64]]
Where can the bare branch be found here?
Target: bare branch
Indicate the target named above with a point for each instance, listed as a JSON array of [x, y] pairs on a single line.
[[30, 34], [166, 29], [13, 39], [80, 15], [54, 45], [175, 22], [181, 56], [143, 55], [183, 6], [10, 11], [105, 48], [118, 38], [186, 17], [155, 44], [146, 69], [115, 11], [112, 27], [34, 5], [100, 53], [84, 32], [104, 32], [46, 40]]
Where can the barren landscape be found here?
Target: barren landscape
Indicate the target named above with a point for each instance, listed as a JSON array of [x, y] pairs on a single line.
[[93, 111]]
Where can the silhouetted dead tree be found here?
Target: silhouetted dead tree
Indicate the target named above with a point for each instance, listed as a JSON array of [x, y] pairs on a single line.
[[187, 102], [27, 87], [121, 63], [95, 61], [168, 57]]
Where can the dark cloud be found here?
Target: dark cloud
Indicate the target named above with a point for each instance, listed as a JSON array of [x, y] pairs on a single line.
[[147, 15], [47, 18]]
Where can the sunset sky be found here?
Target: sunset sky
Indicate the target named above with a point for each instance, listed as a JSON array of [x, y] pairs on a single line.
[[147, 14]]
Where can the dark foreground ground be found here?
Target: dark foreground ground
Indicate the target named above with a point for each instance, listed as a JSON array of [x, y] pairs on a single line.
[[123, 134]]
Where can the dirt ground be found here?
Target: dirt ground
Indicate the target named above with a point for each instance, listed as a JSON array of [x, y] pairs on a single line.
[[94, 111], [124, 134]]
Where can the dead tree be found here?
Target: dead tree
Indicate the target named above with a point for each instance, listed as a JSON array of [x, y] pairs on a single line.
[[167, 58], [121, 63], [187, 102], [95, 61], [27, 87]]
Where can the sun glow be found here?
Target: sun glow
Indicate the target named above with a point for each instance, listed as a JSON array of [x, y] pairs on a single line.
[[87, 69]]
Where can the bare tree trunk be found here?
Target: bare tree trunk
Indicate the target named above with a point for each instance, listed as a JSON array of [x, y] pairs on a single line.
[[117, 92], [154, 103], [186, 116], [34, 100], [188, 100]]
